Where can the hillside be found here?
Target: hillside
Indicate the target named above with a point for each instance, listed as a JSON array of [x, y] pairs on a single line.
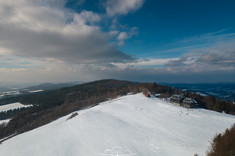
[[51, 105], [132, 124]]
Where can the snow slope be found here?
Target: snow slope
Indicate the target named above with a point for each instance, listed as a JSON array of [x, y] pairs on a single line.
[[12, 106], [130, 125]]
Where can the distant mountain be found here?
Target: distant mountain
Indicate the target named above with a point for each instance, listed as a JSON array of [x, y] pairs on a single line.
[[224, 91], [49, 86], [4, 89], [10, 92]]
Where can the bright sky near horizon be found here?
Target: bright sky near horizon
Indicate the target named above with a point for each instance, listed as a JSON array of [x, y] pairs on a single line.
[[140, 40]]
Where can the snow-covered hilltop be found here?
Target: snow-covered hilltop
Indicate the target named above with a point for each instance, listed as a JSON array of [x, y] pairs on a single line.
[[131, 125]]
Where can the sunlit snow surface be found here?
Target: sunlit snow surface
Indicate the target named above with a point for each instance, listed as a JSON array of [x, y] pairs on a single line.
[[129, 125]]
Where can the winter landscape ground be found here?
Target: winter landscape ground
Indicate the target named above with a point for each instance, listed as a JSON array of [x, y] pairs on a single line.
[[129, 125]]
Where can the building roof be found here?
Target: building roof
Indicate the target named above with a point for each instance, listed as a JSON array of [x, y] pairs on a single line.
[[176, 97], [189, 100]]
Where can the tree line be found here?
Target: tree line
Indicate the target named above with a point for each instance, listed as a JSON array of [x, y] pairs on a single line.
[[223, 144]]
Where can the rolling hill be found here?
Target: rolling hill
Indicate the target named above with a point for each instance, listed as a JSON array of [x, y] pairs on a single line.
[[130, 125]]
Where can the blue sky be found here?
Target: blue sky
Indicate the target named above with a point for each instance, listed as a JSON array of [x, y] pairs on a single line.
[[140, 40], [162, 23]]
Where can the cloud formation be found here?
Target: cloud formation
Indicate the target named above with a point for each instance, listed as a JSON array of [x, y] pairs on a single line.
[[31, 28], [206, 60], [122, 7], [122, 36], [41, 40]]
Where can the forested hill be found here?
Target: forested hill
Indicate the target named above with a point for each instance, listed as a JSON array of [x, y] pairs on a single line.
[[50, 105]]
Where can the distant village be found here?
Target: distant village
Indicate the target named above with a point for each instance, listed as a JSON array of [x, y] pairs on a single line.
[[180, 100]]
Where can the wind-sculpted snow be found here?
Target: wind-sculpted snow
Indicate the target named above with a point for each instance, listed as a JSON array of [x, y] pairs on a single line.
[[130, 125]]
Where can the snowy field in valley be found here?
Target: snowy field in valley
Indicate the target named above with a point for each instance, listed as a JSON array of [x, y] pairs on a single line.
[[35, 91], [130, 125], [4, 121], [12, 106]]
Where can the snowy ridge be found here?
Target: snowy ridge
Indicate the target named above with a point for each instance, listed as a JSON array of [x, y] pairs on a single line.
[[130, 125]]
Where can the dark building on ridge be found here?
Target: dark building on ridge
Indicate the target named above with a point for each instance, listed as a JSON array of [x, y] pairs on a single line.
[[176, 99], [189, 103], [186, 102]]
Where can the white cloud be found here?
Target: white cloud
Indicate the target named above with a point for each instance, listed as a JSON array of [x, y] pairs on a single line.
[[40, 40], [216, 58], [122, 7], [122, 36], [90, 16], [145, 63], [30, 28]]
